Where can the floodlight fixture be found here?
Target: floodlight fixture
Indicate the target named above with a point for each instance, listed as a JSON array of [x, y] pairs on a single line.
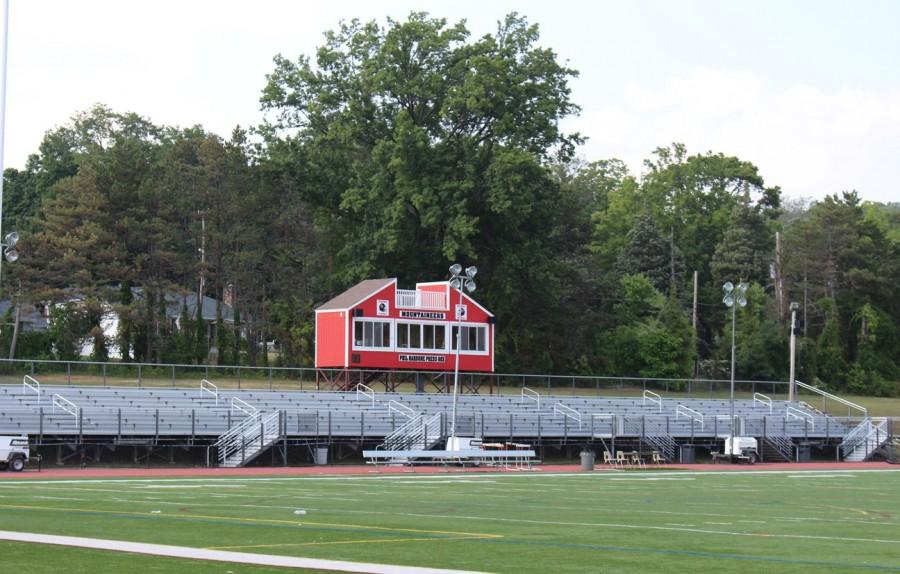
[[734, 298], [9, 243], [458, 281]]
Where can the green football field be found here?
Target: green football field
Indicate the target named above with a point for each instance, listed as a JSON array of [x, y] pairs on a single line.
[[672, 521]]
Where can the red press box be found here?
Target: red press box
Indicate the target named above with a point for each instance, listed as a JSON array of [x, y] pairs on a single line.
[[374, 325]]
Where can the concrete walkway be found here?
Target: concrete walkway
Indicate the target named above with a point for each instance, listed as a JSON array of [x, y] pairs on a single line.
[[219, 555]]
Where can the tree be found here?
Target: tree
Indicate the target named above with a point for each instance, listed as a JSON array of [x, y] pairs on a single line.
[[418, 147], [650, 253], [745, 250]]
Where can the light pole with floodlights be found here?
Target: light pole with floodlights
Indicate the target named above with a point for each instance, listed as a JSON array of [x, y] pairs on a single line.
[[458, 281], [734, 298], [9, 242], [793, 362]]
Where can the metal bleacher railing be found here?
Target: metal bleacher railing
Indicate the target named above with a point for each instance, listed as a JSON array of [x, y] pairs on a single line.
[[75, 373]]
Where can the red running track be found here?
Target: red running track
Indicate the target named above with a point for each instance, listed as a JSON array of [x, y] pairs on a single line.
[[363, 470]]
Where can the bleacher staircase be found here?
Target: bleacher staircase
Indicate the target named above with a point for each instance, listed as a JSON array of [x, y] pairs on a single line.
[[248, 439], [776, 445], [866, 438], [657, 437], [421, 432]]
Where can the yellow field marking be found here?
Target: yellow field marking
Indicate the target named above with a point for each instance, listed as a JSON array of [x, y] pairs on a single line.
[[859, 510], [381, 540], [253, 520]]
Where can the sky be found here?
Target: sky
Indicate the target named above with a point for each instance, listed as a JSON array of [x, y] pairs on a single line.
[[809, 91]]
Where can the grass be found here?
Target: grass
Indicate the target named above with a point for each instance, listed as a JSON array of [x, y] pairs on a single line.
[[837, 521]]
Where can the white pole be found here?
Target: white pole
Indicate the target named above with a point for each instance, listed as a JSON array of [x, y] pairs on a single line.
[[791, 390], [456, 372], [733, 313], [3, 115]]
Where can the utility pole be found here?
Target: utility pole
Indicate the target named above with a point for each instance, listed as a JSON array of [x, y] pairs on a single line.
[[694, 314], [694, 327], [202, 259], [791, 390], [779, 279]]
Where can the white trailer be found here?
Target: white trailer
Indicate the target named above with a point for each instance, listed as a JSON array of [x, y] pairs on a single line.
[[738, 449], [13, 452]]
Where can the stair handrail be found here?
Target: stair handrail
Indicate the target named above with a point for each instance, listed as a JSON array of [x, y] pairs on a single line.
[[417, 433], [857, 435], [34, 386], [690, 413], [652, 397], [530, 394], [399, 407], [655, 434], [402, 431], [832, 397], [365, 391], [763, 399], [780, 441], [806, 405], [243, 406], [256, 429], [208, 387], [568, 412], [66, 405], [791, 412], [237, 429]]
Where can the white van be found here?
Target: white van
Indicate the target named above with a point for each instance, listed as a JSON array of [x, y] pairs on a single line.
[[13, 452]]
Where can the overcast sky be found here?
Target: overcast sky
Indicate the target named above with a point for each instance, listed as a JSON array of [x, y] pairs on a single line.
[[808, 91]]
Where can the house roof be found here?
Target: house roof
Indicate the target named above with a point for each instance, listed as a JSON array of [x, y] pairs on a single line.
[[174, 303], [31, 317], [355, 294]]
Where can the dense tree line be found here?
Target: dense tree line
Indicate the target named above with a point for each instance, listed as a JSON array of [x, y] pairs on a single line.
[[401, 148]]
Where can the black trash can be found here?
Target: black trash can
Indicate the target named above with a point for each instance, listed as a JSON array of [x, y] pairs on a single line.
[[803, 453], [686, 456]]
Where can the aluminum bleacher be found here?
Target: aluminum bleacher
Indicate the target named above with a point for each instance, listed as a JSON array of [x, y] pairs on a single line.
[[179, 411]]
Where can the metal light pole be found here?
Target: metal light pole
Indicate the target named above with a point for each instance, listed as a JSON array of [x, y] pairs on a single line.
[[11, 239], [734, 298], [458, 281], [791, 387]]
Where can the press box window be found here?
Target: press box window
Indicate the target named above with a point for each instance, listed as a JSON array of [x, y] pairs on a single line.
[[473, 338], [374, 334]]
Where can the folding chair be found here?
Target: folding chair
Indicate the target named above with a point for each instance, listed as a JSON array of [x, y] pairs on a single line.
[[621, 458], [636, 459], [657, 459], [608, 459]]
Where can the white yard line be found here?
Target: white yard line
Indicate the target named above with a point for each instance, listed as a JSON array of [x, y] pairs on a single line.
[[220, 555]]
